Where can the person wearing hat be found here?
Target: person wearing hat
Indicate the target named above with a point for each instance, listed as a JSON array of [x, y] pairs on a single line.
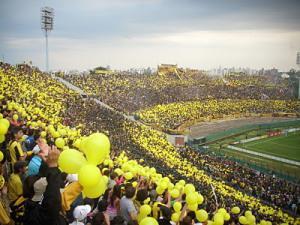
[[80, 213], [15, 185]]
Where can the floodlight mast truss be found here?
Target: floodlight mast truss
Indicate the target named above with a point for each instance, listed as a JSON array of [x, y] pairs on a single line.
[[47, 18]]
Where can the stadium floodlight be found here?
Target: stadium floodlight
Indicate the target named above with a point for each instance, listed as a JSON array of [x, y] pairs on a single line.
[[47, 17]]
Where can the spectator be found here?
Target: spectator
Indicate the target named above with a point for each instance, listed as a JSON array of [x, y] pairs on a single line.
[[118, 220], [101, 217], [165, 217], [15, 185], [80, 214], [48, 211], [127, 208], [16, 152], [113, 208]]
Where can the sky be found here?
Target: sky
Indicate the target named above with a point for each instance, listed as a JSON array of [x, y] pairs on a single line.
[[202, 34]]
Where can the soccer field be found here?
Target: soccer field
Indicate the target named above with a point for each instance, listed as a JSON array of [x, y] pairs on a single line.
[[281, 146]]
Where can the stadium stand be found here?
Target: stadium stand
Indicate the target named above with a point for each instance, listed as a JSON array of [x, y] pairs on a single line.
[[171, 185]]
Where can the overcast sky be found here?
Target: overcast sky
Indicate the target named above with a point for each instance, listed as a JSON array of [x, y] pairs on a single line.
[[141, 33]]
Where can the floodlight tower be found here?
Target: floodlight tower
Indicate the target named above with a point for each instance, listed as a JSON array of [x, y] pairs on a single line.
[[47, 17]]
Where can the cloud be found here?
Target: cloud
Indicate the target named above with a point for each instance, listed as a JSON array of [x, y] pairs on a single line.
[[199, 49], [134, 33]]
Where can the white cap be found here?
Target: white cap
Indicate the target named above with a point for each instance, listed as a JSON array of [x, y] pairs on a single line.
[[39, 188], [72, 178], [81, 212], [36, 150]]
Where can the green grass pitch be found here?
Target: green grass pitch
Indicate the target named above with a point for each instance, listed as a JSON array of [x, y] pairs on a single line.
[[281, 146]]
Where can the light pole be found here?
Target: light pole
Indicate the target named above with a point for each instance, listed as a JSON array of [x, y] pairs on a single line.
[[298, 64], [47, 17]]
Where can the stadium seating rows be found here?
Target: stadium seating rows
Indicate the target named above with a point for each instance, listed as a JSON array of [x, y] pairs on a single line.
[[35, 101]]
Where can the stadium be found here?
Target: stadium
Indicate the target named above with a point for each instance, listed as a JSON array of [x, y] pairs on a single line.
[[172, 145]]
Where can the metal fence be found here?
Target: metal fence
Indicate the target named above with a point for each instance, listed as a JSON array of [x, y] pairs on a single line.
[[235, 134], [262, 167]]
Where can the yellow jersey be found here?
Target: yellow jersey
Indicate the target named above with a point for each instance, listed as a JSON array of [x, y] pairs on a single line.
[[15, 187], [15, 151]]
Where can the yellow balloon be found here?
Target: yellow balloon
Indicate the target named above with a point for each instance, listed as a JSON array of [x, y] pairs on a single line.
[[170, 186], [3, 128], [96, 148], [81, 143], [60, 142], [128, 176], [140, 217], [1, 156], [65, 148], [243, 220], [175, 217], [201, 215], [175, 193], [189, 188], [193, 207], [235, 210], [227, 216], [105, 179], [177, 206], [15, 117], [182, 182], [149, 221], [70, 161], [77, 143], [248, 213], [89, 175], [2, 138], [62, 132], [43, 134], [145, 210], [152, 170], [118, 171], [55, 134], [163, 185], [159, 190], [200, 199], [222, 211], [95, 191], [106, 162], [251, 219], [134, 184], [191, 198], [5, 122], [218, 219]]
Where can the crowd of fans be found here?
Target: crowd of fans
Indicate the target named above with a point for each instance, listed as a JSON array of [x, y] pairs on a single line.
[[152, 146], [172, 115], [110, 123], [42, 203], [276, 191], [129, 93]]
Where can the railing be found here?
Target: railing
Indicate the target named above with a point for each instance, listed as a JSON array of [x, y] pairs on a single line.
[[261, 167]]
